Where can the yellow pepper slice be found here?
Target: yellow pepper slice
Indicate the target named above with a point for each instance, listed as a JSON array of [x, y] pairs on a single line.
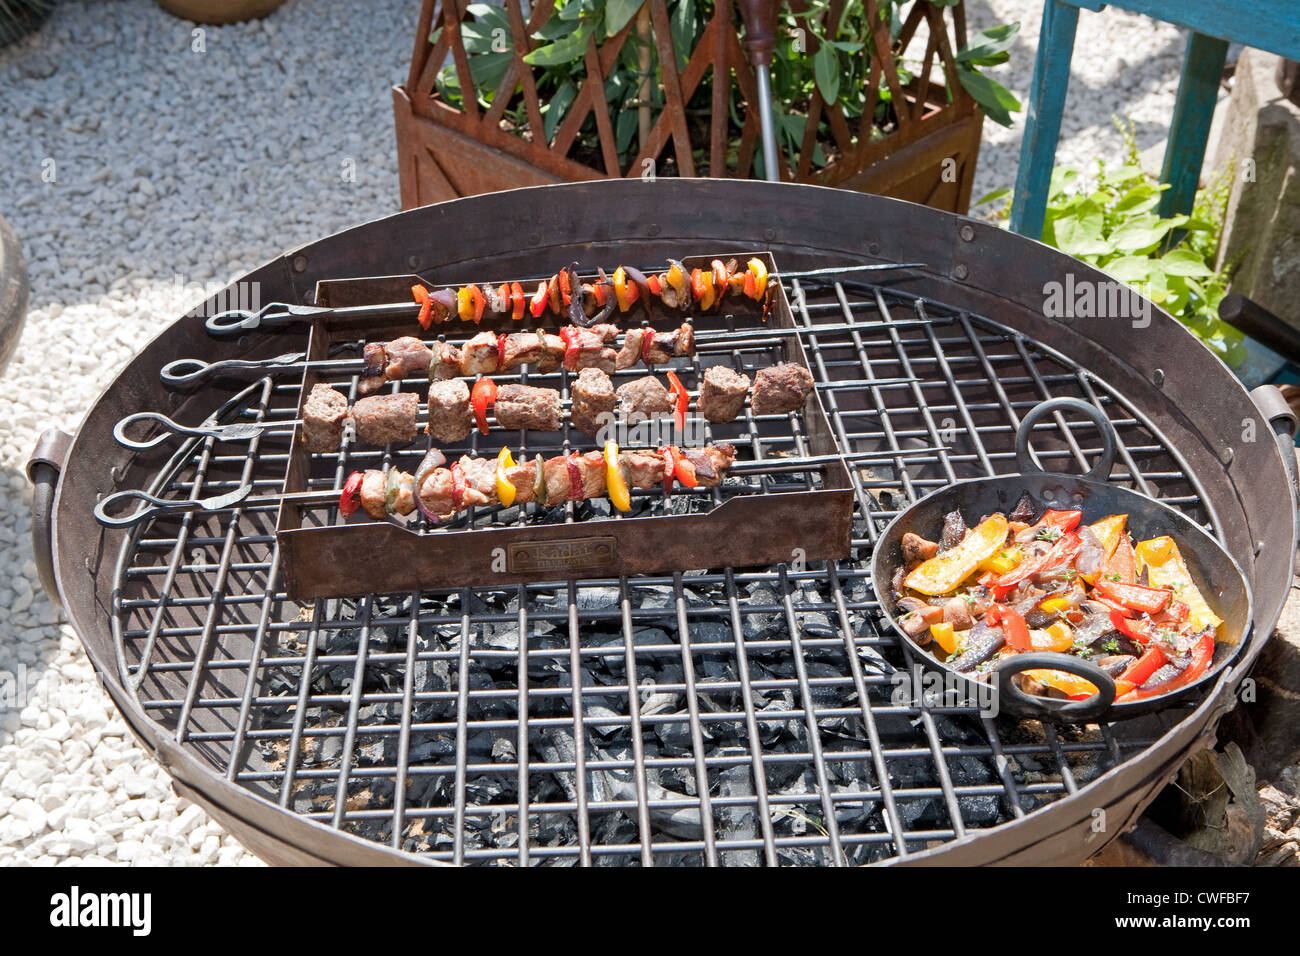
[[1056, 605], [944, 636], [1167, 569], [505, 487], [1057, 638], [615, 484], [621, 294], [1066, 683], [944, 572], [757, 267], [1007, 559]]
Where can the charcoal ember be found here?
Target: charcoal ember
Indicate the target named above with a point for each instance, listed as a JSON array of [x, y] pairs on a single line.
[[675, 735], [658, 702], [376, 752], [711, 632], [429, 748], [598, 598], [681, 822], [737, 822], [676, 779], [613, 828]]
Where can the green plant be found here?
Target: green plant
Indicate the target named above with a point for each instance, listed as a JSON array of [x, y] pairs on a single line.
[[1111, 222], [839, 69]]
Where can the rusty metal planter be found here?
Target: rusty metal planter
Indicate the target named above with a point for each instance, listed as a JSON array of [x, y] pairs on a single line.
[[928, 156]]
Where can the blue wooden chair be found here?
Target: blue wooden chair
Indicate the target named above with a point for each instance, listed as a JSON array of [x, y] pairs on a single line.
[[1272, 25]]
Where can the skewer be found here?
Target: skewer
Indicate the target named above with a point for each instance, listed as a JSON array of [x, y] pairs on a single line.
[[190, 371], [244, 498], [245, 431], [243, 320]]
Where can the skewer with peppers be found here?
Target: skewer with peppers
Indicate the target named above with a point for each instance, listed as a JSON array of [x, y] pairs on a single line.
[[438, 490], [1046, 581], [586, 303]]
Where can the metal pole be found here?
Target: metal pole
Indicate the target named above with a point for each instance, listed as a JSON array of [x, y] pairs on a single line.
[[760, 46]]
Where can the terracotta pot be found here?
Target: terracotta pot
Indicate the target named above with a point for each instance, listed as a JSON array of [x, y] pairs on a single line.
[[217, 12]]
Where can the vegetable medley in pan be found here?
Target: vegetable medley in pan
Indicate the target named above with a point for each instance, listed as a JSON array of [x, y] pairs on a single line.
[[1047, 582]]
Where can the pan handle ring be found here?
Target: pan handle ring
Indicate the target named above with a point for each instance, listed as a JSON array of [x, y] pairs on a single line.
[[1046, 708], [1100, 470]]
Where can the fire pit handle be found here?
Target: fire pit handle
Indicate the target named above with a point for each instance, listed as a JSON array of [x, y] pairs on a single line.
[[1100, 471], [1272, 404], [1014, 699], [155, 507], [43, 469], [191, 371]]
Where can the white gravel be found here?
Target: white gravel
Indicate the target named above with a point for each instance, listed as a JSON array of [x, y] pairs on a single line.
[[174, 171]]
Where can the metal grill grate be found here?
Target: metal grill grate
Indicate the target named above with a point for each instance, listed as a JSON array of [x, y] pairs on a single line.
[[727, 717]]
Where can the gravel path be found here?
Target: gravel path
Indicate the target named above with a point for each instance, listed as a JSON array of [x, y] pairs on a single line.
[[175, 170]]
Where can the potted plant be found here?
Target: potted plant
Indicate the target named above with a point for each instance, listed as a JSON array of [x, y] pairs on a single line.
[[584, 89]]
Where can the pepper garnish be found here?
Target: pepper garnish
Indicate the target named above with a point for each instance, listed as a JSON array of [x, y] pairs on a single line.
[[538, 304], [683, 469], [680, 399], [483, 395], [502, 338], [478, 304], [624, 294], [1014, 628], [350, 498], [615, 484], [505, 487], [647, 345], [425, 303], [570, 336], [759, 271], [517, 302]]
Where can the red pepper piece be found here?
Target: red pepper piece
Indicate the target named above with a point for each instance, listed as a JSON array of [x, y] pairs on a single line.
[[570, 336], [566, 292], [1014, 627], [1145, 600], [1062, 521], [647, 344], [483, 395], [683, 468], [575, 477], [350, 497], [677, 395], [1140, 671], [501, 351], [1061, 554], [1115, 608], [517, 302], [426, 305], [1202, 654], [652, 283], [697, 284], [479, 302], [538, 304], [504, 293], [1175, 613]]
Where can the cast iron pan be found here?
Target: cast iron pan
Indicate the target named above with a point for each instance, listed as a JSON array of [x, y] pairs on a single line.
[[1215, 573]]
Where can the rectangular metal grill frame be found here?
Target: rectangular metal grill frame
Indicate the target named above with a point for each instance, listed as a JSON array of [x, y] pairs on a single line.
[[315, 540], [200, 666]]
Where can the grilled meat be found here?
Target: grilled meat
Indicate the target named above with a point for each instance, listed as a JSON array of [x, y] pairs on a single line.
[[444, 362], [917, 549], [479, 356], [523, 406], [643, 397], [588, 469], [450, 419], [593, 397], [722, 394], [373, 363], [781, 388], [405, 355], [523, 348], [385, 419], [324, 415], [661, 347], [374, 494]]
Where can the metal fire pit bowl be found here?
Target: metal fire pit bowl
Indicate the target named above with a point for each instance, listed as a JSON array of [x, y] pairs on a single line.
[[790, 653]]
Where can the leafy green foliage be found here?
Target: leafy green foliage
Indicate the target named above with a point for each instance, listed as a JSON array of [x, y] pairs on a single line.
[[807, 61], [1111, 222]]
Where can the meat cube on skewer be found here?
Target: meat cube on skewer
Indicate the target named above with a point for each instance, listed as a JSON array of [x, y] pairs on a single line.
[[711, 462], [645, 396], [523, 406], [405, 355], [323, 416], [781, 388], [722, 394], [444, 362], [662, 347], [480, 480], [374, 494], [450, 419], [373, 363], [593, 396], [591, 348], [550, 361], [589, 469], [523, 476], [643, 469], [385, 419], [479, 356], [524, 348]]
